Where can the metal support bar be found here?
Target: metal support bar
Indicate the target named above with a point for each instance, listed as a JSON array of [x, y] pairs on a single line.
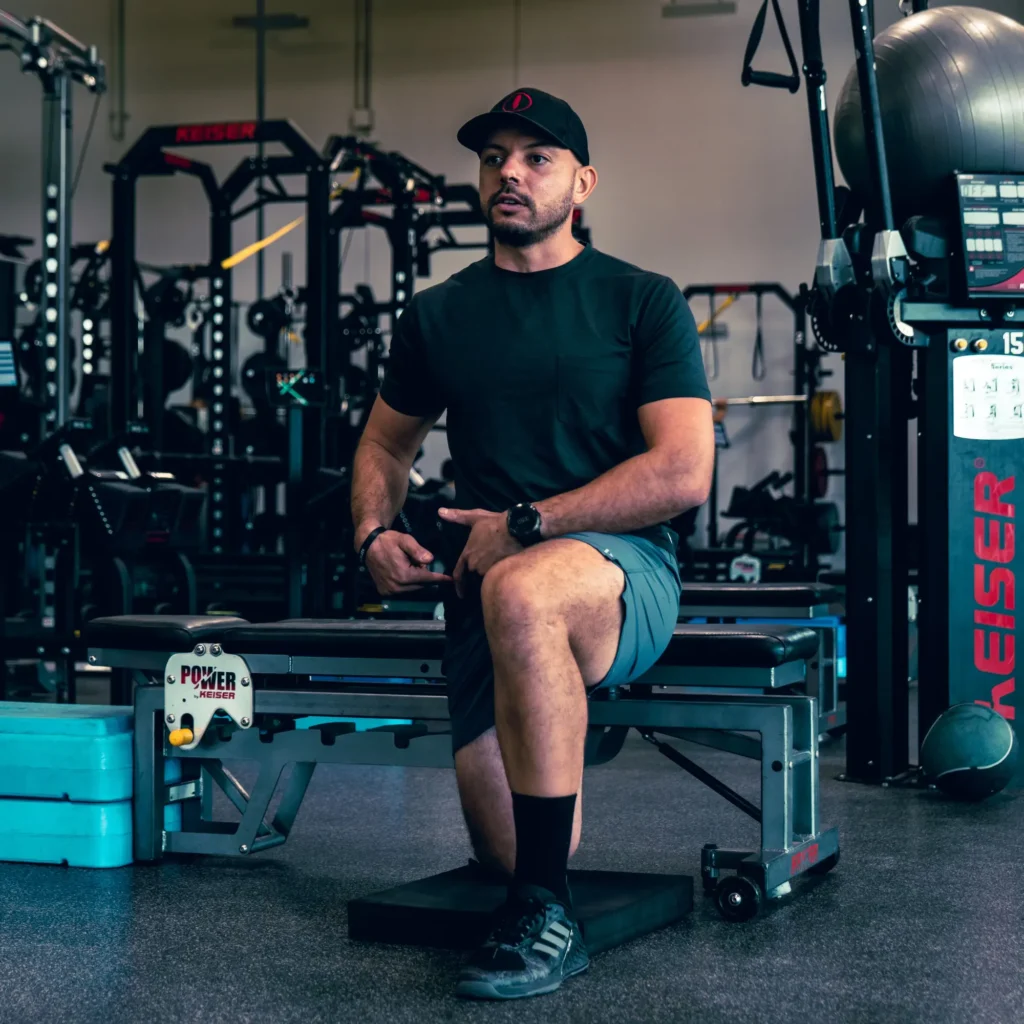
[[706, 777]]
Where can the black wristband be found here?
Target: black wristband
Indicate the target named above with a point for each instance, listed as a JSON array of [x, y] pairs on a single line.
[[372, 536]]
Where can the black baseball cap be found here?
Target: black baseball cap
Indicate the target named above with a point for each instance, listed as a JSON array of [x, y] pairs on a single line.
[[532, 110]]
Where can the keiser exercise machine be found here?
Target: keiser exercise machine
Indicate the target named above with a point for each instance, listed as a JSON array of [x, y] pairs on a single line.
[[889, 298]]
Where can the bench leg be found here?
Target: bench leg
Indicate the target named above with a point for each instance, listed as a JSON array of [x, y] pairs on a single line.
[[148, 798]]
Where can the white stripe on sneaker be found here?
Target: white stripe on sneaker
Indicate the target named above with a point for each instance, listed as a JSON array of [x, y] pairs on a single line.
[[544, 948], [559, 929], [555, 940]]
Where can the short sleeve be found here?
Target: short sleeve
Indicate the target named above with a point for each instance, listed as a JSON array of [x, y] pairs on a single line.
[[410, 383], [667, 347]]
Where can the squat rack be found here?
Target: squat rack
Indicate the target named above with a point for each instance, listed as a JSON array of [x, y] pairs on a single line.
[[149, 157]]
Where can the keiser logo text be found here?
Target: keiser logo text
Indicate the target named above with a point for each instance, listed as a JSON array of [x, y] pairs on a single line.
[[995, 588], [209, 683], [235, 131]]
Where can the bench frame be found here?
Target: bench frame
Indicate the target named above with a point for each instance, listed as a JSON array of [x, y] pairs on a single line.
[[792, 838]]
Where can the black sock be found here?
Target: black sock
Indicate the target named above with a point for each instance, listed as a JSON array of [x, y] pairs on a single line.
[[543, 837]]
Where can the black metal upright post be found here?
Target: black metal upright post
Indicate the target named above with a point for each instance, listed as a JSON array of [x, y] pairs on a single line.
[[55, 308], [261, 114], [306, 427], [934, 619], [876, 718], [123, 313], [817, 106], [878, 372]]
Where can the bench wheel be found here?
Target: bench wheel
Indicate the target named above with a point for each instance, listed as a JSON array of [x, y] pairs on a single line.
[[738, 898], [823, 867]]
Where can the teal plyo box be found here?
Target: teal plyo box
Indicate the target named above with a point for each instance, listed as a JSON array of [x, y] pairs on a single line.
[[72, 752], [59, 832], [66, 785]]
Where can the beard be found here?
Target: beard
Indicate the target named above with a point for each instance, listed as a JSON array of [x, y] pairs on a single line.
[[541, 225]]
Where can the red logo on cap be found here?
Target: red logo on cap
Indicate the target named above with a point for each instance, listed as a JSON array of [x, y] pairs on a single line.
[[518, 103]]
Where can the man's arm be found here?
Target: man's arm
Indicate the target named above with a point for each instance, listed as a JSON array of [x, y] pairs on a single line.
[[673, 475], [380, 470]]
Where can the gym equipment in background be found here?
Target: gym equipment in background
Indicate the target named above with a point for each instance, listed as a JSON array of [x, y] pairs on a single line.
[[928, 318], [792, 532], [968, 116], [59, 60]]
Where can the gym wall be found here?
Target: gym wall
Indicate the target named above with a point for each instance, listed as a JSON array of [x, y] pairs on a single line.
[[700, 179]]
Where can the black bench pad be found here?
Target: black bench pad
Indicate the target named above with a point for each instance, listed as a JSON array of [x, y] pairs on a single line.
[[175, 633], [696, 646], [753, 595], [325, 638]]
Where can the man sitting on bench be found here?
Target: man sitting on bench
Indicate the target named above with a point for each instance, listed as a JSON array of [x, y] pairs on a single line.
[[573, 381]]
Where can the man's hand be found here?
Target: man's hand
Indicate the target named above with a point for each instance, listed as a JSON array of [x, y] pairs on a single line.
[[397, 562], [489, 542]]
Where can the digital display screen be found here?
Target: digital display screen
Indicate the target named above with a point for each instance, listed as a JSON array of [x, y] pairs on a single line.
[[8, 371], [992, 225]]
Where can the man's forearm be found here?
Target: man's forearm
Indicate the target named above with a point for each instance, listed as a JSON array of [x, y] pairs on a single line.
[[640, 492], [380, 482]]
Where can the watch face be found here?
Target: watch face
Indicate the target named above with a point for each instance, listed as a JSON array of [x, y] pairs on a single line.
[[523, 520]]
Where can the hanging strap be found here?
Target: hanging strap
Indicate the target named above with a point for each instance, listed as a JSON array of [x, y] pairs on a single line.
[[771, 79], [758, 370]]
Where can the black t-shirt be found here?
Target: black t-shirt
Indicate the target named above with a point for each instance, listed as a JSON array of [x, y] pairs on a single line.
[[542, 373]]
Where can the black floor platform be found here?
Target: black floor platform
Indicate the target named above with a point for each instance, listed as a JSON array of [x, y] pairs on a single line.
[[453, 910]]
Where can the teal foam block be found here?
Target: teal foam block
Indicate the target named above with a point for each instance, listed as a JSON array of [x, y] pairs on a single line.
[[74, 752], [59, 832]]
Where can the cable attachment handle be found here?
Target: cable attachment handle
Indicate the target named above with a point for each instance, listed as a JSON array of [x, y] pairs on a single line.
[[770, 79]]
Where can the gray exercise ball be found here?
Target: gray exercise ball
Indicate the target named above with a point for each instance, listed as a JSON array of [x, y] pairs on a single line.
[[951, 91]]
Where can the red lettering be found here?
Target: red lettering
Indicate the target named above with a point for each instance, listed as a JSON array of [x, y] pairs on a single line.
[[988, 489], [803, 859], [991, 660], [1000, 690], [994, 619], [993, 550], [989, 595], [240, 131]]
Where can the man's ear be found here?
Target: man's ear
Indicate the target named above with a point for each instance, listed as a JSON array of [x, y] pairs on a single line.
[[586, 182]]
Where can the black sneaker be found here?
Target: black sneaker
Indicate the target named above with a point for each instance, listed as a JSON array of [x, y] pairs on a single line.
[[533, 948]]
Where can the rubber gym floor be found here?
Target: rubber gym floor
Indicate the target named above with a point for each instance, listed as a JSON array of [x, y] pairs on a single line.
[[921, 921]]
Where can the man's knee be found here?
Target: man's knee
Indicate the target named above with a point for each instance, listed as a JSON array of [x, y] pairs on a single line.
[[511, 593]]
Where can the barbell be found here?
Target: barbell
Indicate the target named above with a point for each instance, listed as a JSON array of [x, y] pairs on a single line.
[[825, 411]]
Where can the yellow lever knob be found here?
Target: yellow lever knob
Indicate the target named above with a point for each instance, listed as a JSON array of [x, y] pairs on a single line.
[[179, 737]]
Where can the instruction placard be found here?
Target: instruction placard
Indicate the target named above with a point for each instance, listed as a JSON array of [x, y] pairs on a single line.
[[988, 397]]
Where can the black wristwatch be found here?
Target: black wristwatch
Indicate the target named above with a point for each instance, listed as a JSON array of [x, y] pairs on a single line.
[[524, 524]]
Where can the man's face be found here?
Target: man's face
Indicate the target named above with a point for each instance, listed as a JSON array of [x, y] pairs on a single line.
[[527, 187]]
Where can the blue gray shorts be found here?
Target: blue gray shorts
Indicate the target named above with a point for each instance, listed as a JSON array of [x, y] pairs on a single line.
[[650, 603]]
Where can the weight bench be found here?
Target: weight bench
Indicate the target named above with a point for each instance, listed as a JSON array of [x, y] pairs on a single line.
[[815, 605], [284, 695]]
